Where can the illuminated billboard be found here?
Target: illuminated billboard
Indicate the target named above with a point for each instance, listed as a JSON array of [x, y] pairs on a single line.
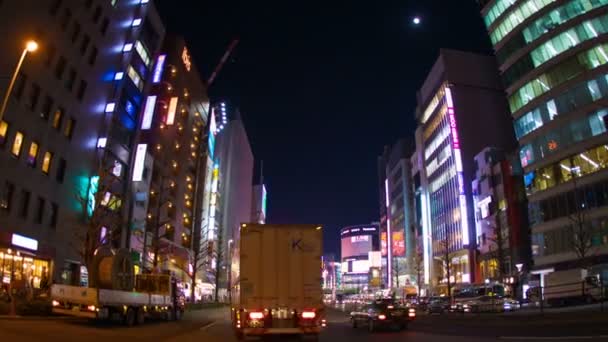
[[171, 111], [146, 122], [398, 243], [356, 246], [383, 244], [140, 157], [158, 69], [212, 130]]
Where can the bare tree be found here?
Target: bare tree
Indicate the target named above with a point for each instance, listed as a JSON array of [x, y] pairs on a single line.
[[100, 212], [444, 249], [580, 230], [418, 268]]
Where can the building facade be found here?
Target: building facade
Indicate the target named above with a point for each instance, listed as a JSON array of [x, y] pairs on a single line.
[[501, 223], [258, 203], [553, 64], [69, 132], [359, 254], [173, 130], [461, 107], [399, 231]]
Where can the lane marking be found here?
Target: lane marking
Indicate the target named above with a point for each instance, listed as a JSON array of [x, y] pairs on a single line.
[[208, 325], [548, 338]]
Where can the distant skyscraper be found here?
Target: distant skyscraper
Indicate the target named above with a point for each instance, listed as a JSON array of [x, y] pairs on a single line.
[[553, 60], [461, 109], [69, 135], [258, 203]]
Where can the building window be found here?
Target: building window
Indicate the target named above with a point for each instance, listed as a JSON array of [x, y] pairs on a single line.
[[47, 106], [55, 7], [32, 154], [134, 76], [97, 14], [6, 196], [34, 96], [85, 44], [75, 32], [24, 205], [57, 118], [61, 167], [20, 85], [82, 89], [54, 214], [3, 132], [65, 19], [39, 210], [68, 131], [143, 53], [93, 56], [17, 143], [51, 51], [46, 162], [60, 67], [104, 26], [69, 82]]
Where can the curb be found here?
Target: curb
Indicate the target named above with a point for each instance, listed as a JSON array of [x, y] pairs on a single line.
[[33, 318]]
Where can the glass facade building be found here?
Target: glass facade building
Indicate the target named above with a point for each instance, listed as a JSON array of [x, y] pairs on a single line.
[[553, 56]]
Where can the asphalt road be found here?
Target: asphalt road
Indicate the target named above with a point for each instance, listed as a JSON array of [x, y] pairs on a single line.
[[214, 325]]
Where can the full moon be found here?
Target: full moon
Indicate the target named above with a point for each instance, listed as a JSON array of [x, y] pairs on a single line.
[[416, 20]]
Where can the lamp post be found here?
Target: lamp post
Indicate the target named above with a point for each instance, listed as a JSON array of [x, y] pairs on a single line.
[[30, 46], [230, 242]]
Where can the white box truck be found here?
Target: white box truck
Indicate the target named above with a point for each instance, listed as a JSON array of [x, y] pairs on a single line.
[[278, 290], [571, 287]]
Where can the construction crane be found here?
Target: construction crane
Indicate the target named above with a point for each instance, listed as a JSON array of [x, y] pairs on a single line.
[[220, 65]]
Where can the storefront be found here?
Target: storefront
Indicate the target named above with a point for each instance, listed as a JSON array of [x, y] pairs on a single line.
[[22, 264]]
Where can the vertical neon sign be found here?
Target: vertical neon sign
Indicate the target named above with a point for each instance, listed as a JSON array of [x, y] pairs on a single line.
[[213, 203], [146, 122], [171, 111], [464, 220], [212, 130], [389, 243], [426, 238], [158, 69]]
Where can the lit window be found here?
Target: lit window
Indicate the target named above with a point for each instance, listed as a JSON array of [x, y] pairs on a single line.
[[127, 47], [110, 107], [46, 162], [32, 154], [69, 128], [117, 170], [119, 75], [16, 150], [134, 76], [136, 22], [143, 53], [101, 142], [3, 131], [57, 118]]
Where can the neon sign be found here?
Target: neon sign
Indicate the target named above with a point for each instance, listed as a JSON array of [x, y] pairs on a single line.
[[140, 157], [146, 122], [171, 111], [158, 69], [186, 59]]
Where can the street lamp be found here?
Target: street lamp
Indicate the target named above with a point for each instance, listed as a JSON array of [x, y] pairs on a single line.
[[30, 46]]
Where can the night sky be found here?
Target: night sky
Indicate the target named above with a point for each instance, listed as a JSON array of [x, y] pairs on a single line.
[[322, 88]]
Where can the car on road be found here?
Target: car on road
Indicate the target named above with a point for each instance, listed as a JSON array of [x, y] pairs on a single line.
[[484, 304], [382, 314], [438, 305]]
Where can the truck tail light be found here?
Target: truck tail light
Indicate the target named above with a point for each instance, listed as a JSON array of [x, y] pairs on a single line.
[[412, 313], [381, 317], [256, 315], [91, 308], [323, 323], [309, 314], [55, 303]]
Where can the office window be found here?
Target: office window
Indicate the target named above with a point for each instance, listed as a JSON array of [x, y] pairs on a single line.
[[47, 107], [6, 196], [24, 205], [17, 143], [57, 118], [3, 132], [68, 131], [39, 210], [61, 167], [134, 76], [97, 14], [46, 162], [55, 7], [93, 55], [69, 82], [51, 51], [19, 85], [75, 32], [60, 67], [82, 89], [32, 154], [143, 53], [34, 96], [65, 18], [104, 26], [54, 214], [84, 45]]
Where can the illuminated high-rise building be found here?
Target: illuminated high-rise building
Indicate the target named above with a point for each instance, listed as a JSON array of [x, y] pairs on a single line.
[[258, 203], [173, 127], [69, 133], [461, 109], [553, 60]]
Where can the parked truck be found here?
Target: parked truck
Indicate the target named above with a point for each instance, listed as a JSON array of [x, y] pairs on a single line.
[[571, 287], [278, 288], [115, 292]]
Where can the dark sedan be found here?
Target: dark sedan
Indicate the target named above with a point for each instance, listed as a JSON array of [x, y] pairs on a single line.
[[382, 314]]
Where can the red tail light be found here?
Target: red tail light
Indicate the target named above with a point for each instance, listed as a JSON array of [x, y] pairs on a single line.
[[381, 317], [309, 314], [255, 315]]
